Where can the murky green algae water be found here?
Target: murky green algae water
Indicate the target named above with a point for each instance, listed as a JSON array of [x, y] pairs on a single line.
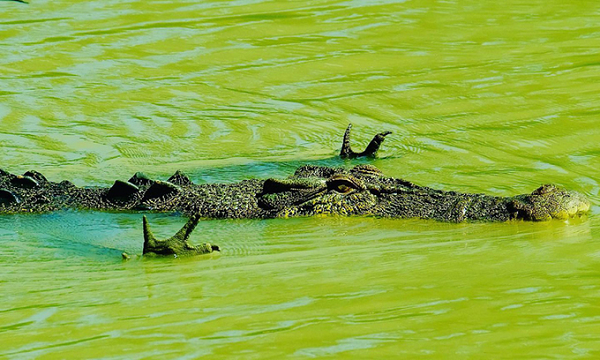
[[495, 97]]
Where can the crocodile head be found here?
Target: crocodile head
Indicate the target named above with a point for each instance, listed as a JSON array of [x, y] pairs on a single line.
[[363, 190]]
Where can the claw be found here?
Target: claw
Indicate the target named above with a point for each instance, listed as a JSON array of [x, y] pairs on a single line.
[[371, 150], [177, 244]]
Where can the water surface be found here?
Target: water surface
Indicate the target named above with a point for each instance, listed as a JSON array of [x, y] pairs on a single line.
[[494, 97]]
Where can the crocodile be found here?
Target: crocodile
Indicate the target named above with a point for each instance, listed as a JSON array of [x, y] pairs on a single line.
[[361, 190]]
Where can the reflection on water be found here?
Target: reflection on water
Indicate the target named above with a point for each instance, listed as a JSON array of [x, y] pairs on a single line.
[[481, 97]]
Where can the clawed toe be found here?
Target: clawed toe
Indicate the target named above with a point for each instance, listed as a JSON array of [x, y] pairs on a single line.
[[370, 151], [177, 244]]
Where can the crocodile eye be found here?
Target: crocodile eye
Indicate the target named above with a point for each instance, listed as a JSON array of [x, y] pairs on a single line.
[[343, 188], [344, 184]]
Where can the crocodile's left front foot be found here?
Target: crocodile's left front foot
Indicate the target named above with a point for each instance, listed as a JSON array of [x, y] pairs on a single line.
[[370, 151], [178, 244]]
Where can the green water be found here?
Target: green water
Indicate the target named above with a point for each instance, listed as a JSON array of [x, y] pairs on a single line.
[[495, 97]]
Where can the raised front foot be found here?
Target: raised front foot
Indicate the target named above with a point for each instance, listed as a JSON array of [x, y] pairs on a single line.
[[370, 151], [178, 244]]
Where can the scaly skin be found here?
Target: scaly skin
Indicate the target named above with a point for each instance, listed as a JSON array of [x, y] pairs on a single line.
[[312, 190], [361, 190]]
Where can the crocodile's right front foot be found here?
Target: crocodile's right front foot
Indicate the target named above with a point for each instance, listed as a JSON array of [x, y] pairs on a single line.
[[370, 151], [178, 244]]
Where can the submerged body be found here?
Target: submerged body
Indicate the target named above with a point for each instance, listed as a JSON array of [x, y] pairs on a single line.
[[311, 190]]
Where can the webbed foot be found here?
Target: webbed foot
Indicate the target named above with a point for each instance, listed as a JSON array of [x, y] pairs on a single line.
[[370, 151], [178, 244]]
